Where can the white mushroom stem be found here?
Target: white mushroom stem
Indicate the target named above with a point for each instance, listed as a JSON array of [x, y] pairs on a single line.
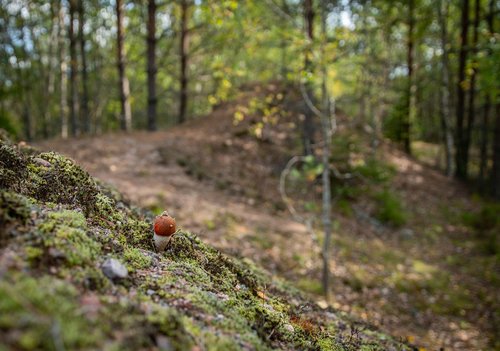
[[161, 242]]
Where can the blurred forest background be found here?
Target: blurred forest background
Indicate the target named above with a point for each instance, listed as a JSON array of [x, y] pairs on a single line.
[[373, 124], [414, 71]]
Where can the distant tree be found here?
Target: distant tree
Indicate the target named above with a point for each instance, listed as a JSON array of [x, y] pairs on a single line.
[[63, 103], [184, 58], [483, 166], [495, 174], [327, 131], [472, 86], [84, 112], [73, 90], [445, 87], [460, 141], [151, 64], [126, 112], [308, 125], [406, 125]]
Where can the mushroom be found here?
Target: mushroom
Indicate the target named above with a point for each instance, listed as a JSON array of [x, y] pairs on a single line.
[[164, 228]]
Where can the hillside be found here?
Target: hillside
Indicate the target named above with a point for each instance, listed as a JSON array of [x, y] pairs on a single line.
[[78, 271], [401, 243]]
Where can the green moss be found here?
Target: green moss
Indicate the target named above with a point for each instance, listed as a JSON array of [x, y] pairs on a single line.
[[14, 207], [41, 313], [64, 235], [12, 167], [61, 182], [170, 323], [136, 259], [137, 233], [106, 207]]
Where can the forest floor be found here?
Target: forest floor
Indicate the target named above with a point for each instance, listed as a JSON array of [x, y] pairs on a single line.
[[426, 280]]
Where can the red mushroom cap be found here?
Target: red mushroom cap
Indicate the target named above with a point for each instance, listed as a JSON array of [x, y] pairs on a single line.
[[164, 225]]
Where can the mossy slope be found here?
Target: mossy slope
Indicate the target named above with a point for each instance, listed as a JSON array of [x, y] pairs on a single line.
[[58, 225]]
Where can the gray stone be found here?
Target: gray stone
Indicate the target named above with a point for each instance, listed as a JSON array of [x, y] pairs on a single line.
[[114, 269], [164, 343], [41, 162]]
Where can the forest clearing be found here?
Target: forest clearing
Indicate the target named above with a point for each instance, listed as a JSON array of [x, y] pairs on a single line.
[[330, 170]]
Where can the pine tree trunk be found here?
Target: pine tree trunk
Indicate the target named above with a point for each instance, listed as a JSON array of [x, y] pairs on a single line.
[[483, 166], [460, 142], [151, 69], [326, 128], [472, 93], [73, 90], [406, 127], [84, 112], [63, 104], [495, 174], [183, 50], [48, 93], [283, 44], [308, 125], [445, 89], [126, 112]]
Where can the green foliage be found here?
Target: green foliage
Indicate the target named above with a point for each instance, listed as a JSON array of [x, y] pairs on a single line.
[[376, 170], [8, 124], [310, 285], [393, 127], [390, 209], [486, 223]]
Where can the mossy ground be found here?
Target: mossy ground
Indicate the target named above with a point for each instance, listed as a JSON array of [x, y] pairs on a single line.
[[57, 226]]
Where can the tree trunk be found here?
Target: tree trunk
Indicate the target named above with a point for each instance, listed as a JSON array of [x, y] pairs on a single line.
[[49, 92], [472, 92], [84, 112], [461, 150], [483, 166], [283, 44], [73, 91], [445, 89], [495, 174], [308, 126], [326, 128], [184, 45], [63, 105], [126, 112], [151, 69], [406, 127]]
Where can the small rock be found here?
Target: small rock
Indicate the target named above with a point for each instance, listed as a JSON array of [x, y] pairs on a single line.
[[41, 162], [268, 307], [407, 233], [164, 343], [219, 317], [322, 304], [289, 328], [113, 269], [223, 297], [55, 253], [150, 292]]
